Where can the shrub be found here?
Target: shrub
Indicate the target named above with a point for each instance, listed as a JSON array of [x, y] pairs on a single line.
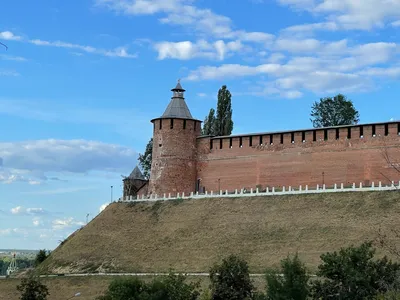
[[32, 289], [293, 285], [231, 280], [41, 256]]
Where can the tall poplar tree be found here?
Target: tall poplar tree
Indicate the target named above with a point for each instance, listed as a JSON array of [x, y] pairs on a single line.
[[146, 159], [221, 123]]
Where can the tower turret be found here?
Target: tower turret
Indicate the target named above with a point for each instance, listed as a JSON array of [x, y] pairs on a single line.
[[173, 168]]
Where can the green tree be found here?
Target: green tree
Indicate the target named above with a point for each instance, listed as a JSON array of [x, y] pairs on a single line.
[[146, 159], [41, 257], [352, 273], [209, 123], [223, 121], [32, 289], [334, 111], [220, 123], [293, 285], [231, 280]]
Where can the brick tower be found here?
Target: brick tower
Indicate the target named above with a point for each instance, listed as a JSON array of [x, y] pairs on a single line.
[[173, 168]]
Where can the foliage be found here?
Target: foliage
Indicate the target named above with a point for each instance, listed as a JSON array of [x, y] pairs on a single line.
[[32, 289], [231, 280], [334, 112], [173, 287], [146, 159], [220, 123], [41, 256], [209, 123], [293, 285], [353, 274]]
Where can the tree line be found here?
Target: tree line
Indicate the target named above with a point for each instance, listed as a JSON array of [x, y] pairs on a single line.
[[328, 111], [352, 273]]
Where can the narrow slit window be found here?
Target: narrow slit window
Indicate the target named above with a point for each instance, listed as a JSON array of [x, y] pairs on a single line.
[[281, 138], [386, 129], [398, 128], [337, 133], [361, 131], [211, 144], [230, 143], [303, 136], [325, 134], [349, 133], [160, 124], [184, 124], [195, 125], [250, 141], [240, 142], [271, 139], [172, 124], [373, 130], [292, 137], [220, 143], [261, 140], [314, 136]]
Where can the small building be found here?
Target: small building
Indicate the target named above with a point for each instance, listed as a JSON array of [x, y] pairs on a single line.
[[134, 182]]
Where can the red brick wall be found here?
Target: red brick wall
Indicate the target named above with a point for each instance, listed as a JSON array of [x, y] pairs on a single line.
[[310, 163], [173, 168]]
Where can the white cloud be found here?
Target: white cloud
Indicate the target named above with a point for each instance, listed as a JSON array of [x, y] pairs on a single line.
[[350, 14], [37, 222], [61, 224], [9, 73], [396, 23], [12, 57], [187, 50], [19, 210], [8, 35], [103, 207], [202, 95]]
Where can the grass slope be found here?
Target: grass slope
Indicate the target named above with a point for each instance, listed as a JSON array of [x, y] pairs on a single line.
[[190, 235]]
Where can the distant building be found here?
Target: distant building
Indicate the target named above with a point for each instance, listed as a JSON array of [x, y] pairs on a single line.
[[185, 161]]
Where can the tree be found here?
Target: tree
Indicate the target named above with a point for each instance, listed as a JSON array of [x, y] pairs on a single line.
[[209, 123], [221, 123], [334, 111], [293, 285], [231, 280], [32, 289], [146, 159], [41, 257], [352, 273]]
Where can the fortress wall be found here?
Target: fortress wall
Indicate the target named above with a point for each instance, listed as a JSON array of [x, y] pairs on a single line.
[[310, 157]]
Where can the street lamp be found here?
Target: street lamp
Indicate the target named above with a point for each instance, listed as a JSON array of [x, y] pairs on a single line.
[[76, 295], [111, 193]]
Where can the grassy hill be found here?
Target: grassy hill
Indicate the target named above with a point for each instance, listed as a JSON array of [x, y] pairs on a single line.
[[190, 235]]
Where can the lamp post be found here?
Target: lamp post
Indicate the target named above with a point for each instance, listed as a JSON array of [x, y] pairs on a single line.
[[76, 295], [111, 193], [323, 178], [219, 185]]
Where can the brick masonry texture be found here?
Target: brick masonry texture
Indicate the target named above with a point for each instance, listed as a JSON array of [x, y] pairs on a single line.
[[174, 161], [327, 156]]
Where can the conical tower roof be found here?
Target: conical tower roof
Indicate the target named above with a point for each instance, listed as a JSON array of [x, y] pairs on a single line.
[[177, 108], [136, 174]]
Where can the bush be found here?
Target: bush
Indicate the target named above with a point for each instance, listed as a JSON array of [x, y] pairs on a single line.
[[32, 289], [293, 285], [41, 257], [172, 287], [352, 274], [231, 280]]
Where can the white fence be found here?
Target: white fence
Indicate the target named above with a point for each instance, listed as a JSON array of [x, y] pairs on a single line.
[[268, 192]]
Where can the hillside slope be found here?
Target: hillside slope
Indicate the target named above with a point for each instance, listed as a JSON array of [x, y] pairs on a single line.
[[191, 235]]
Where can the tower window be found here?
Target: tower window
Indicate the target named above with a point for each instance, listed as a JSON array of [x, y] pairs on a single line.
[[172, 124], [303, 136], [398, 128], [230, 143], [240, 142], [314, 136], [271, 139], [361, 131], [292, 137], [373, 130], [349, 133], [250, 141], [184, 124], [211, 144], [337, 133], [261, 140], [195, 125], [220, 143], [325, 134], [161, 124], [386, 129], [281, 138]]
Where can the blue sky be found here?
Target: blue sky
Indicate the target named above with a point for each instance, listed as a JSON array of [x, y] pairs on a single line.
[[81, 80]]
